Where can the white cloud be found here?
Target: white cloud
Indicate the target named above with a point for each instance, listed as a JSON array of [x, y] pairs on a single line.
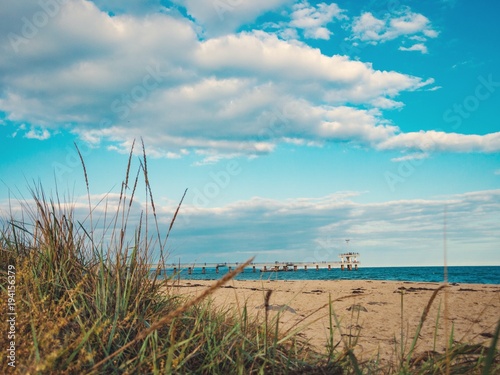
[[417, 38], [386, 103], [344, 123], [265, 56], [416, 47], [435, 88], [37, 133], [288, 33], [401, 24], [368, 27], [313, 20], [413, 156], [430, 33], [427, 141], [408, 24]]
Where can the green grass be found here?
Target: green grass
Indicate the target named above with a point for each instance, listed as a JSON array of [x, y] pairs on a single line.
[[86, 302]]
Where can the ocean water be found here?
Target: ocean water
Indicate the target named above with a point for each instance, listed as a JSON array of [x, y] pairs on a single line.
[[467, 275]]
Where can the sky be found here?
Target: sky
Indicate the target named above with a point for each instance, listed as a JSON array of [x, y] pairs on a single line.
[[294, 125]]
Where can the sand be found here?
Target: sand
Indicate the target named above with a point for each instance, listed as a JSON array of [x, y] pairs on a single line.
[[373, 311]]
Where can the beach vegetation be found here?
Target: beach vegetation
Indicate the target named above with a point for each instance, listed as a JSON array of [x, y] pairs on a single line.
[[87, 302]]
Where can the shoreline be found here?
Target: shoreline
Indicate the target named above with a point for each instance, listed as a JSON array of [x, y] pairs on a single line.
[[486, 275], [187, 281], [367, 310]]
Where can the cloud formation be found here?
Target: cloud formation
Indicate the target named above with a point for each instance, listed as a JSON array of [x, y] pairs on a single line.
[[215, 93], [441, 141], [401, 24], [314, 229], [416, 47], [313, 20], [311, 229]]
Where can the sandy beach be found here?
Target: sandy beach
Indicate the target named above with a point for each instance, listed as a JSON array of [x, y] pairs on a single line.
[[374, 311]]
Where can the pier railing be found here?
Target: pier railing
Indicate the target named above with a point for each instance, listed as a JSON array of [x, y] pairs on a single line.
[[256, 267]]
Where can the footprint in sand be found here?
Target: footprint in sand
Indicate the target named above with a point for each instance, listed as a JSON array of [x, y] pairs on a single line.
[[357, 308]]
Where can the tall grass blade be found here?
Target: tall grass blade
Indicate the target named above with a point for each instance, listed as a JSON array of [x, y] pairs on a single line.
[[492, 351], [88, 191], [423, 318]]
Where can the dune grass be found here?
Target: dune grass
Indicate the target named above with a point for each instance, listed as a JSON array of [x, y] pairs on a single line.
[[87, 302]]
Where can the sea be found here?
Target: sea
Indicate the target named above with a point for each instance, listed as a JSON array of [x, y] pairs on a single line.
[[462, 274]]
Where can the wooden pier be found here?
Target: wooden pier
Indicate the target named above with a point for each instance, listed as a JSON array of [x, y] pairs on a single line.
[[348, 261]]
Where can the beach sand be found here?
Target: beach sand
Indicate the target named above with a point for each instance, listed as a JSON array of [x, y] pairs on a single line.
[[370, 310]]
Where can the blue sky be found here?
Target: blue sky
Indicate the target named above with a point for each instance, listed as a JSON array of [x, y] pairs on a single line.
[[293, 124]]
